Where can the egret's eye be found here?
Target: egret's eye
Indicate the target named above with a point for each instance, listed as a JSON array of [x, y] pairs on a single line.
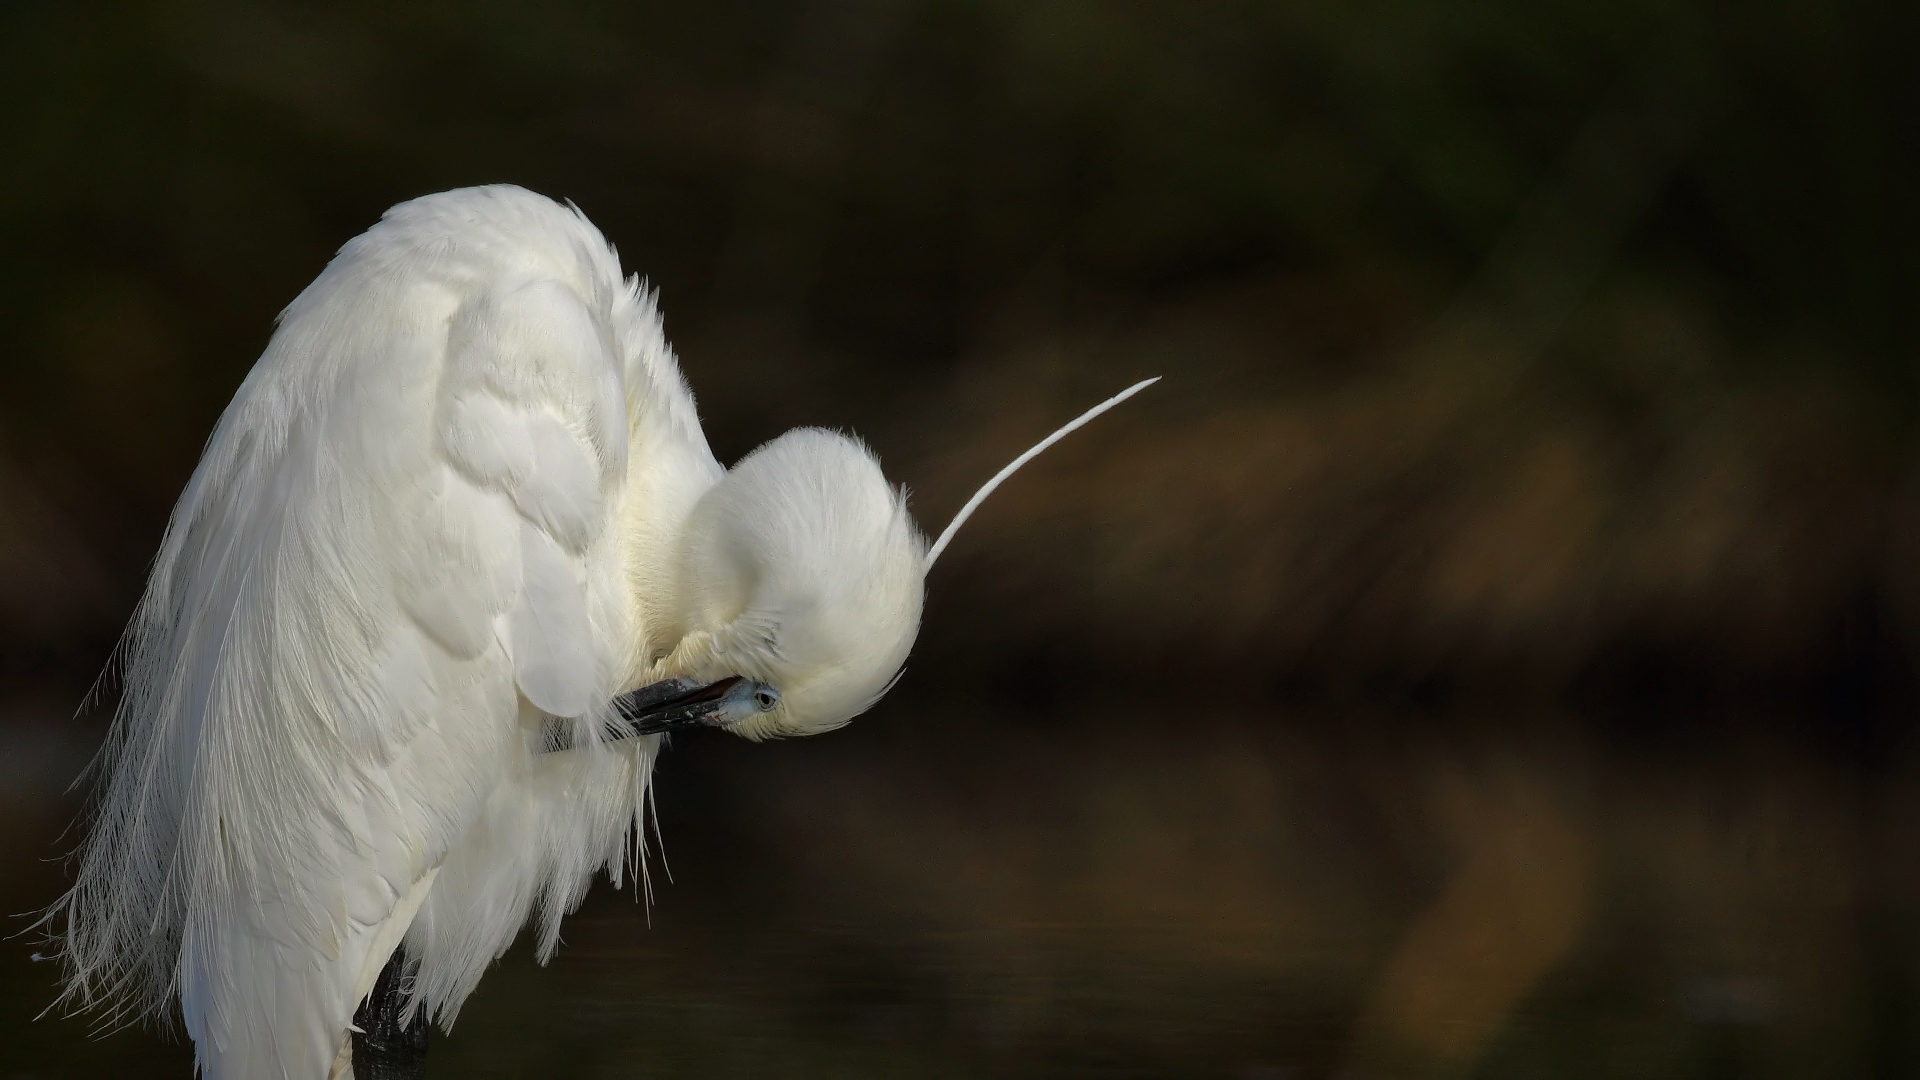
[[766, 698]]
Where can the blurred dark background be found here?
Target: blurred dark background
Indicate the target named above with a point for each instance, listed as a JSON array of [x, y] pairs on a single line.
[[1489, 652]]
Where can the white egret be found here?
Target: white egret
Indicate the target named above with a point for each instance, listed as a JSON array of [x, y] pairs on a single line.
[[455, 556]]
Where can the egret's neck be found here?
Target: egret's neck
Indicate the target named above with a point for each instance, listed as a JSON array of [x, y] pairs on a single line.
[[665, 480]]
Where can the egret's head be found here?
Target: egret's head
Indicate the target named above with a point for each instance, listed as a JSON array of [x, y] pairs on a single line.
[[800, 570], [797, 588]]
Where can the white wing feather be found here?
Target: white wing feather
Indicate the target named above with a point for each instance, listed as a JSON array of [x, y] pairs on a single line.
[[413, 533]]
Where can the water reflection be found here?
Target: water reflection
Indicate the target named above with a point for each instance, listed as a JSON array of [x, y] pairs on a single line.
[[1298, 896]]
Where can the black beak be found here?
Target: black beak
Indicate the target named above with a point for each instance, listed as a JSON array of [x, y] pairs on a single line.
[[668, 705], [673, 705]]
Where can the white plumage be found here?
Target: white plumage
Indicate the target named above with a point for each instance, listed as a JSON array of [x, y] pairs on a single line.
[[463, 491]]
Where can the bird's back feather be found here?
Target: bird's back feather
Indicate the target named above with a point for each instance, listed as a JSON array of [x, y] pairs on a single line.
[[412, 536]]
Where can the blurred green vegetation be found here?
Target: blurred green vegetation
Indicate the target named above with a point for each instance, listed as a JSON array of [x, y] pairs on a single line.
[[1489, 652]]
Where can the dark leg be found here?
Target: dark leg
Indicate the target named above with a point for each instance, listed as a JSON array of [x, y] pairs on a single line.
[[382, 1050]]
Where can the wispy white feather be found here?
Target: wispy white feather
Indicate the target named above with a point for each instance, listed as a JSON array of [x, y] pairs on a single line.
[[986, 489]]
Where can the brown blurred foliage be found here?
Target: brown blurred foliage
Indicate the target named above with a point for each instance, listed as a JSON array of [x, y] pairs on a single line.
[[1508, 345]]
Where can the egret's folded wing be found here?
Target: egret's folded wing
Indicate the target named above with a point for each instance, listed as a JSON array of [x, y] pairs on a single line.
[[398, 531], [557, 818], [533, 409]]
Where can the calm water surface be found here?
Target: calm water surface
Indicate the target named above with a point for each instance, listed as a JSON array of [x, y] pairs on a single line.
[[1295, 897]]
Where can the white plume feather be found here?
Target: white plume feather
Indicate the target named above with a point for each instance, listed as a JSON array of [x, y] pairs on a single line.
[[986, 489]]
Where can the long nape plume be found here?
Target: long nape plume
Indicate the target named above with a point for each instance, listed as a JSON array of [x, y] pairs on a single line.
[[986, 489]]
